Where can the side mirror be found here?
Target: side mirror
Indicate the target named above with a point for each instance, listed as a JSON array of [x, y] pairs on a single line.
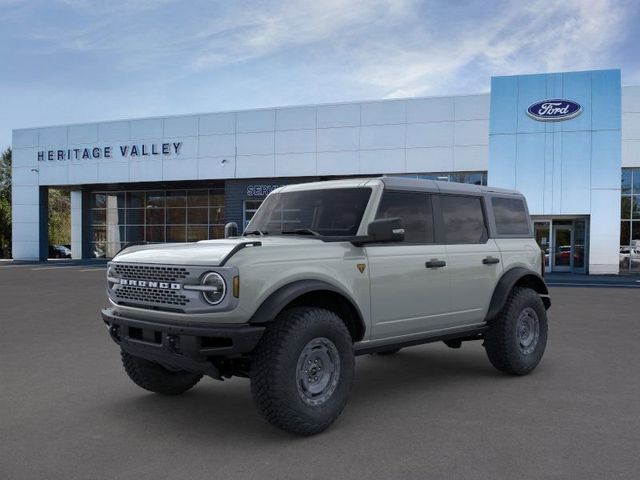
[[386, 230], [231, 230]]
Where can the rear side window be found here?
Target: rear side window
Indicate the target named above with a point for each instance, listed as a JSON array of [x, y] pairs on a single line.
[[463, 219], [511, 216], [414, 209]]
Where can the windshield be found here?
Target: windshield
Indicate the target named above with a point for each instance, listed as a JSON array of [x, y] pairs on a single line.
[[327, 212]]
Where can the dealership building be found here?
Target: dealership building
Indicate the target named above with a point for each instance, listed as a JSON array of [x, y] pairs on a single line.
[[570, 142]]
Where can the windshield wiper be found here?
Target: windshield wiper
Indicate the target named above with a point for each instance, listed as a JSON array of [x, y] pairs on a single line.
[[301, 231], [255, 232]]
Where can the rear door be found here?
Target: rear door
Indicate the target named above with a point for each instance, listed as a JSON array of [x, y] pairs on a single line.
[[474, 258], [409, 280]]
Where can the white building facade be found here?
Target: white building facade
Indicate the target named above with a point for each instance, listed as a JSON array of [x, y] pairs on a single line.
[[181, 178]]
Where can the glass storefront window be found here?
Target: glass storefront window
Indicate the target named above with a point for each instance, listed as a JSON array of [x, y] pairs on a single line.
[[474, 178], [198, 198], [626, 180], [216, 199], [154, 234], [155, 200], [176, 233], [543, 237], [154, 216], [120, 218], [216, 231], [98, 200], [134, 200], [198, 216], [249, 210], [196, 232], [636, 180], [216, 215], [176, 198], [176, 216], [135, 233], [634, 262], [635, 206], [630, 221], [579, 240]]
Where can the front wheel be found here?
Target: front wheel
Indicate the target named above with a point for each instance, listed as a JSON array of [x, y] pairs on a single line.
[[517, 337], [156, 378], [302, 370]]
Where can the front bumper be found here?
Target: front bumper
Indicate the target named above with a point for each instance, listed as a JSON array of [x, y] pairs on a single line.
[[185, 347]]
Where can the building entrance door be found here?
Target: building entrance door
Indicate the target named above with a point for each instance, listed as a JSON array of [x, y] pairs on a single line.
[[562, 248], [563, 242], [543, 237]]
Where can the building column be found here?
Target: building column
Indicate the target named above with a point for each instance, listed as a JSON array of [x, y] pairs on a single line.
[[76, 224], [25, 216]]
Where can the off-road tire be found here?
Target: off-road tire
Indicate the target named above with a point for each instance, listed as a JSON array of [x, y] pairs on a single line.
[[391, 351], [156, 378], [502, 341], [275, 382]]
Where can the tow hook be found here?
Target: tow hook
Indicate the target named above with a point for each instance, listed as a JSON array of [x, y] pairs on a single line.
[[114, 331], [172, 343]]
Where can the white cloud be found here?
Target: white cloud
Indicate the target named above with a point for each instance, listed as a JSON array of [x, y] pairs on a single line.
[[543, 36], [391, 48]]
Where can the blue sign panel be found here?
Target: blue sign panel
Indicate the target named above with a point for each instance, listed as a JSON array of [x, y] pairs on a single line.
[[554, 110]]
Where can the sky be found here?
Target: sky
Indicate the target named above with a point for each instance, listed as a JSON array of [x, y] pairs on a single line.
[[75, 61]]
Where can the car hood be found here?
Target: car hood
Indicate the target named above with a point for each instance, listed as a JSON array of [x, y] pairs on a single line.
[[206, 252]]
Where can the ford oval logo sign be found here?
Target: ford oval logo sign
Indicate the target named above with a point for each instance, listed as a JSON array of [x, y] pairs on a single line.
[[554, 110]]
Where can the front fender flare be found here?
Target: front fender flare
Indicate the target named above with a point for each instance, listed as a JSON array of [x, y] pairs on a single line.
[[286, 294]]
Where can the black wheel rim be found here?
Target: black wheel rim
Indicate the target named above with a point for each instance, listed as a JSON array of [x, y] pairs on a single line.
[[318, 371], [527, 330]]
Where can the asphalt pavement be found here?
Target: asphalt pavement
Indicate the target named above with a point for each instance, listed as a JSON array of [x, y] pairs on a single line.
[[68, 411]]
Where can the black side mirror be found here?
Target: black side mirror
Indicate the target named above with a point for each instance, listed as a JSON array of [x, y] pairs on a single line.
[[231, 230], [386, 230]]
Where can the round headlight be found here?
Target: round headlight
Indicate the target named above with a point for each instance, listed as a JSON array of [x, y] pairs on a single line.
[[111, 276], [215, 288]]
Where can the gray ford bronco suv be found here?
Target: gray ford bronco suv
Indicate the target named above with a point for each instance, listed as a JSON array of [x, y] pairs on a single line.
[[324, 272]]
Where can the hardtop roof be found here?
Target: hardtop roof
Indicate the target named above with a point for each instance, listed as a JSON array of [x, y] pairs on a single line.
[[401, 183]]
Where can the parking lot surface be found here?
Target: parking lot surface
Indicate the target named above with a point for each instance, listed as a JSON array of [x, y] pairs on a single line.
[[68, 411]]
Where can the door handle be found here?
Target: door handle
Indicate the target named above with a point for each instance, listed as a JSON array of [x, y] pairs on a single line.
[[490, 260], [435, 263]]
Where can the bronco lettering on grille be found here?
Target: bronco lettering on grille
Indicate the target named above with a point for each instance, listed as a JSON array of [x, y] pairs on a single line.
[[150, 284]]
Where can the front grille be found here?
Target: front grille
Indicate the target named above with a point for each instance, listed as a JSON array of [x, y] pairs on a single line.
[[149, 272], [145, 296], [150, 295]]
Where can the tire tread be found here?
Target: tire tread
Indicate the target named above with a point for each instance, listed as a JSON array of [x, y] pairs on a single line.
[[155, 378], [270, 394]]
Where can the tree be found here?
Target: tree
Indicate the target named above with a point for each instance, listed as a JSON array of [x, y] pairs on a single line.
[[59, 217], [5, 204]]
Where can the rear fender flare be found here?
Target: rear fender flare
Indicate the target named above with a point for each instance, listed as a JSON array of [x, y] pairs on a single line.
[[518, 276]]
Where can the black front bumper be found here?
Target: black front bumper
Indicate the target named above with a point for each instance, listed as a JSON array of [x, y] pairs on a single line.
[[186, 347]]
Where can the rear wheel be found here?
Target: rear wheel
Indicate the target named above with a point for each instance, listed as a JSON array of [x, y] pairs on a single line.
[[302, 370], [156, 378], [517, 338]]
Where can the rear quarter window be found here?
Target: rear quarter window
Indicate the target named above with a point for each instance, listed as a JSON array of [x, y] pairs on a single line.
[[511, 216]]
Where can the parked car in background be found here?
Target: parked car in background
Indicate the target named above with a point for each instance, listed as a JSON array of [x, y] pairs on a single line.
[[629, 255], [59, 251]]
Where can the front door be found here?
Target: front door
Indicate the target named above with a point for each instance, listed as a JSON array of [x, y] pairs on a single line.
[[562, 248]]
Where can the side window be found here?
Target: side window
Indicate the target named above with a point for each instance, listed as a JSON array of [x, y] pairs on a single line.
[[511, 216], [463, 219], [414, 209]]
